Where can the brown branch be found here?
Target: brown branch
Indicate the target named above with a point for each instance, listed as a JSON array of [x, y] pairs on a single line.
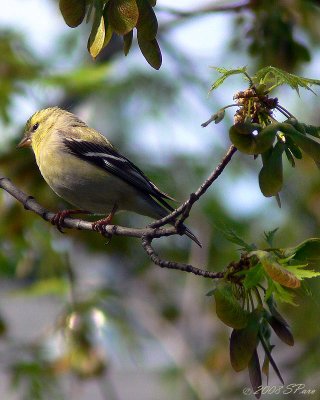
[[235, 7], [185, 208], [152, 231], [31, 204], [146, 244]]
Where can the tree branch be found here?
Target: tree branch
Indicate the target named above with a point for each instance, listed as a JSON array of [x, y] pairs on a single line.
[[152, 231], [182, 16], [185, 208], [146, 244], [31, 204], [236, 6]]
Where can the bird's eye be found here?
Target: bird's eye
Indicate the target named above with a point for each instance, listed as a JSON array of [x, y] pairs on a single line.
[[35, 127]]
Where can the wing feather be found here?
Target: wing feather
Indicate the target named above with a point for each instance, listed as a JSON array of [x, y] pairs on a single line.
[[109, 159]]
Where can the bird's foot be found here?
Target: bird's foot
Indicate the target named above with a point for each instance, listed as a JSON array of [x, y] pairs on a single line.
[[99, 226], [59, 217]]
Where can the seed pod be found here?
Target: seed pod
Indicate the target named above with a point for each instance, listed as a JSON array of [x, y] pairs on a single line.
[[255, 374], [73, 11], [241, 135], [97, 36], [296, 124], [107, 27], [276, 271], [293, 148], [271, 174], [127, 42], [151, 52], [307, 144], [243, 343], [228, 309], [147, 25], [123, 15], [281, 330]]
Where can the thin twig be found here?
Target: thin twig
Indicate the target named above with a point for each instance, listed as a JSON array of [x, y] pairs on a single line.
[[205, 10], [31, 204], [146, 244], [154, 230], [186, 206]]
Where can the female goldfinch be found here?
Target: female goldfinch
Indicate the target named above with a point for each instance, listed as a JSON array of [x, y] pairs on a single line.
[[83, 167]]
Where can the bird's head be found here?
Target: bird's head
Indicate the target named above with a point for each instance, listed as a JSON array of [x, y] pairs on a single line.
[[44, 122], [40, 125]]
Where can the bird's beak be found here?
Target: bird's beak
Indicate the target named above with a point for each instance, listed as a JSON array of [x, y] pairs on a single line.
[[25, 142]]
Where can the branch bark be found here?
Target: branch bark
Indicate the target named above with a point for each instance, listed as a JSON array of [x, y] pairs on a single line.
[[152, 231], [185, 208]]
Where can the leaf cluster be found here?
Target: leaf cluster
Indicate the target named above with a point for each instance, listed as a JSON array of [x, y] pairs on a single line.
[[251, 327], [246, 305], [265, 79], [256, 131], [119, 17]]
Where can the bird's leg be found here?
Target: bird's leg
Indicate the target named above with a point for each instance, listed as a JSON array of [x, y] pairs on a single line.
[[99, 225], [60, 216]]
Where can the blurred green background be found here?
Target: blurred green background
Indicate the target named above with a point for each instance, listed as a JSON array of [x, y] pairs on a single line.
[[84, 319]]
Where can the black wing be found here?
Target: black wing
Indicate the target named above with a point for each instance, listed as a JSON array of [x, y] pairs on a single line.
[[110, 160]]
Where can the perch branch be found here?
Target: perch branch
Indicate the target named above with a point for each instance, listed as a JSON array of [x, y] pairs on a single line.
[[152, 231], [185, 208], [146, 244]]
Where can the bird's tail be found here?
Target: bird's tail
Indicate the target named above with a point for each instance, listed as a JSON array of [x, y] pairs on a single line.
[[158, 211], [192, 237]]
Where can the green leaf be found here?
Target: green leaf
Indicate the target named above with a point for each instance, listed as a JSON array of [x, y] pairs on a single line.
[[151, 52], [269, 236], [123, 15], [279, 293], [300, 272], [274, 77], [243, 343], [233, 237], [306, 252], [253, 276], [228, 309], [225, 74], [73, 11]]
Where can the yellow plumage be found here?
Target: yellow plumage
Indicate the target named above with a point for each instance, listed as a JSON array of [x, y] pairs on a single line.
[[83, 167]]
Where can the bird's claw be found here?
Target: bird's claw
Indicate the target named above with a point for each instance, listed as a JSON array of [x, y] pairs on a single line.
[[59, 218], [100, 225]]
